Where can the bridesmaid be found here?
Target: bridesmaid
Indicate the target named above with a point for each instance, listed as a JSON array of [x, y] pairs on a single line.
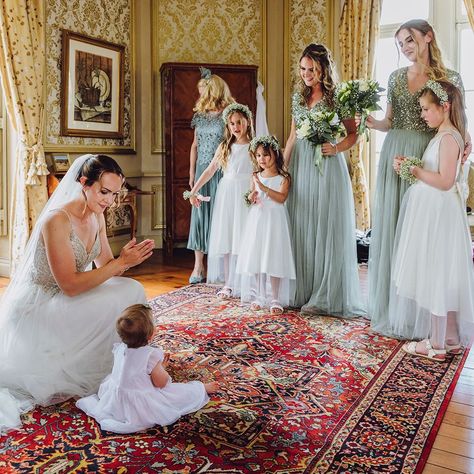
[[214, 97], [320, 202], [408, 135]]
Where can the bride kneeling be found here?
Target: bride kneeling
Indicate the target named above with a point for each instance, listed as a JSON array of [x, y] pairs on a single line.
[[57, 317]]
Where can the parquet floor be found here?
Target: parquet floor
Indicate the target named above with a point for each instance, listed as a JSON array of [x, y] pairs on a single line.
[[453, 450]]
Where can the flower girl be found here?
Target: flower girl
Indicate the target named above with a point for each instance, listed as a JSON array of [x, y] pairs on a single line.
[[432, 287], [230, 212], [139, 393], [266, 262]]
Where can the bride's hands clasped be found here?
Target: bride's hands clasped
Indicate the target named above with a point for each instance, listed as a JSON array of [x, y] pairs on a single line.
[[133, 254]]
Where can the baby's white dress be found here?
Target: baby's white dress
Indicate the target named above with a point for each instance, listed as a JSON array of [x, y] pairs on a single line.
[[229, 217], [267, 251], [433, 271], [128, 401]]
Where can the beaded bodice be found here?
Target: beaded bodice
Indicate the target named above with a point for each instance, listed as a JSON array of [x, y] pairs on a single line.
[[300, 111], [41, 272], [406, 110], [210, 132]]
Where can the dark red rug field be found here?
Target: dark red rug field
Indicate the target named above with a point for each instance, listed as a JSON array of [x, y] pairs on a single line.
[[299, 395]]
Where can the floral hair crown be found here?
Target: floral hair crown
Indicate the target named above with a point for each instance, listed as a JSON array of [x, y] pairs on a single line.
[[205, 72], [266, 141], [438, 91], [230, 109]]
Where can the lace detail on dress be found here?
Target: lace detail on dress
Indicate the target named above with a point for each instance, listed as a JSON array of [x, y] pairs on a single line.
[[406, 110], [41, 272], [210, 132]]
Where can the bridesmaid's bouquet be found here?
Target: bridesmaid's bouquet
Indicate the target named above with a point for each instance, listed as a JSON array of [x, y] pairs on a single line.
[[359, 96], [247, 200], [405, 172], [320, 127]]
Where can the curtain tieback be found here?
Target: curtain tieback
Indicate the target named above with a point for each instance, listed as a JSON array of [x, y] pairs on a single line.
[[37, 167]]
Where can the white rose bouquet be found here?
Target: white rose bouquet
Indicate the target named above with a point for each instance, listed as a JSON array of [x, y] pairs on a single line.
[[320, 127], [360, 96]]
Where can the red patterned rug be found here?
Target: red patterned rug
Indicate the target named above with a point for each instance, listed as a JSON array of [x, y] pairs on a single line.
[[299, 395]]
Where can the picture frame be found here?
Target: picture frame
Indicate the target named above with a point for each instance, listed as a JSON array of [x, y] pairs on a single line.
[[92, 89], [60, 162]]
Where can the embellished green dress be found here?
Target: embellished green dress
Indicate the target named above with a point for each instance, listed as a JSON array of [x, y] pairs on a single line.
[[322, 223], [408, 136], [210, 132]]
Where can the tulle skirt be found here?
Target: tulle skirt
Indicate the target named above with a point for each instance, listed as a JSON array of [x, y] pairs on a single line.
[[433, 272], [322, 223], [389, 193], [53, 347], [265, 263], [228, 222]]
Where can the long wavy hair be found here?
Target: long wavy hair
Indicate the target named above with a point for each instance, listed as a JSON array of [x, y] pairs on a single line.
[[215, 95], [229, 138], [322, 60], [436, 69], [457, 113]]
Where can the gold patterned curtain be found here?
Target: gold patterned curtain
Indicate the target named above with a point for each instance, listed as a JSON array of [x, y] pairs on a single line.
[[358, 32], [22, 61], [470, 11]]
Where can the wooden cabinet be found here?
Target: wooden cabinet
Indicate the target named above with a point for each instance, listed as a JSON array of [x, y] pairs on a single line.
[[178, 96]]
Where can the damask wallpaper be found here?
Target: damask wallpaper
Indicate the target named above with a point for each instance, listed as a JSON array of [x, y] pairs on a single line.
[[110, 20], [200, 31]]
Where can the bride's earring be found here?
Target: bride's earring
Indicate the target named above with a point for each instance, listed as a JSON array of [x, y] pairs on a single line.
[[85, 201]]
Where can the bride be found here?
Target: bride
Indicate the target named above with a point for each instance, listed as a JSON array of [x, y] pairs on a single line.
[[57, 316]]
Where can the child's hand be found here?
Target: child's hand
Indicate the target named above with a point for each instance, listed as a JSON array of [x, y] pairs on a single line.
[[397, 161], [166, 360], [253, 196]]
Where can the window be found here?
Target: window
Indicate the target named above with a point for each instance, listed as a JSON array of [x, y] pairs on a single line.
[[454, 36]]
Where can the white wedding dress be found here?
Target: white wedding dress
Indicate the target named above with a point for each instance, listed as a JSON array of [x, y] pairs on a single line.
[[53, 346]]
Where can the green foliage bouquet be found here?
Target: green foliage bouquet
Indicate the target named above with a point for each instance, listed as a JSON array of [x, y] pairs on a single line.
[[359, 96], [320, 127], [405, 172]]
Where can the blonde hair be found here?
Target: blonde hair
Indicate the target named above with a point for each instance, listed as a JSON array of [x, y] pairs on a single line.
[[215, 96], [322, 60], [457, 113], [229, 138], [436, 69], [135, 325]]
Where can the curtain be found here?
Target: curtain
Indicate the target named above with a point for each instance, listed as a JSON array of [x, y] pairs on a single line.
[[358, 32], [470, 11], [22, 62]]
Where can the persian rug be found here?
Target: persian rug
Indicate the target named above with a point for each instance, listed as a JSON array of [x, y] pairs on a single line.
[[298, 395]]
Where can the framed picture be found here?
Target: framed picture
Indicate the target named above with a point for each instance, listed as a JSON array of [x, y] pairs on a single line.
[[60, 162], [92, 89]]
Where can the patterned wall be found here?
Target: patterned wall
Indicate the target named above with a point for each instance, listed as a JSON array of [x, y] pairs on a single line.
[[307, 24], [105, 19], [200, 31]]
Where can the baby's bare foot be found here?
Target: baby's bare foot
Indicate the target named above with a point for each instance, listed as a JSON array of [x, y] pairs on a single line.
[[211, 387]]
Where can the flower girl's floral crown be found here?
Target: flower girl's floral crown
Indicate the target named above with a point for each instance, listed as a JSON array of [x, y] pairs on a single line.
[[266, 141], [438, 91], [230, 109]]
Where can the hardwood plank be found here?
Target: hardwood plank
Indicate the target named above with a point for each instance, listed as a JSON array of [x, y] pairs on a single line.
[[461, 409], [464, 398], [451, 461], [456, 432], [459, 420], [454, 446], [432, 469]]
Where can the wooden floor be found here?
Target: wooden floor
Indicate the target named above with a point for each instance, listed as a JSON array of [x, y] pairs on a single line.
[[453, 449]]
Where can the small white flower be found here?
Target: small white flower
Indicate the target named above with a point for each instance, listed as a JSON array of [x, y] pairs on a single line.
[[335, 120], [363, 85]]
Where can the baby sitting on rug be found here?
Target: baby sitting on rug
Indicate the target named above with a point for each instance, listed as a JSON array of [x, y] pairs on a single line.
[[139, 393]]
